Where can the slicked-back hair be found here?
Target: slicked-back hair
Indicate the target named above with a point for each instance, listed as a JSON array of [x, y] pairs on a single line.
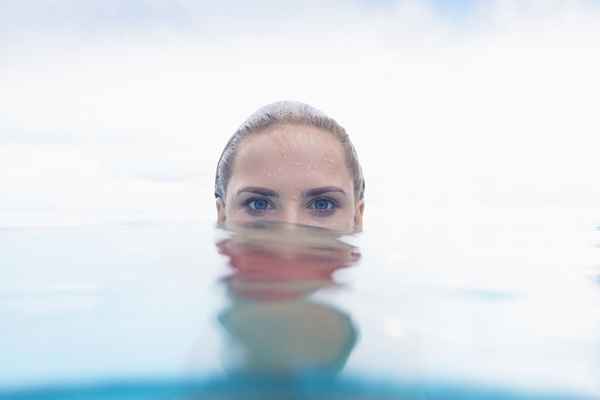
[[286, 112]]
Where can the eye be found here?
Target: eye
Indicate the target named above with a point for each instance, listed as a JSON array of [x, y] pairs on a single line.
[[258, 205], [323, 206]]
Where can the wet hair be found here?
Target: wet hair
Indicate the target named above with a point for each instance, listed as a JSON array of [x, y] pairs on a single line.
[[286, 112]]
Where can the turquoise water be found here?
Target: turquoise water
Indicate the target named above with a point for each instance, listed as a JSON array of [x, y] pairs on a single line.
[[240, 388], [179, 311]]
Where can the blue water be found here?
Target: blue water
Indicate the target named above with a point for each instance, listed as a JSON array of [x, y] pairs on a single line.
[[243, 388], [164, 311]]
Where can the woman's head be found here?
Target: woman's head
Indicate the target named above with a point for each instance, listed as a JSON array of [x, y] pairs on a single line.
[[290, 162]]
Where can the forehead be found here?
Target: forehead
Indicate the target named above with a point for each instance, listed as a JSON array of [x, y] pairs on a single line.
[[291, 155]]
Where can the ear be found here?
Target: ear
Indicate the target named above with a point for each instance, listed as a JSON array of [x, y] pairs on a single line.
[[358, 215], [220, 211]]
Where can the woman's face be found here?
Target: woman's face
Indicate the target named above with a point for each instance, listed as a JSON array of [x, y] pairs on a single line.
[[292, 173]]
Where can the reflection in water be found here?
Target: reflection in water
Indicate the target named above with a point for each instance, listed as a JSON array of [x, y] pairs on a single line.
[[437, 334], [275, 329]]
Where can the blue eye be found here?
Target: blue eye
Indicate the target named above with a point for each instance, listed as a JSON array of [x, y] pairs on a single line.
[[323, 206], [258, 204]]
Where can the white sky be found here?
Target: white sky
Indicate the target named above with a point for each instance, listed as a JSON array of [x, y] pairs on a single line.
[[120, 113]]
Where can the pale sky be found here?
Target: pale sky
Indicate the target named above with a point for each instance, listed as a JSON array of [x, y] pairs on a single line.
[[115, 110]]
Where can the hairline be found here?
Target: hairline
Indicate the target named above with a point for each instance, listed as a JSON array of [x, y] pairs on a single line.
[[287, 114]]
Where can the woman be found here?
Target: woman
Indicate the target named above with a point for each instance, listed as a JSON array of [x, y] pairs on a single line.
[[290, 163]]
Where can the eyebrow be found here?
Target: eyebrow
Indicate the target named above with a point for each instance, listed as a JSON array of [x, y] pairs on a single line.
[[259, 190], [322, 190], [307, 193]]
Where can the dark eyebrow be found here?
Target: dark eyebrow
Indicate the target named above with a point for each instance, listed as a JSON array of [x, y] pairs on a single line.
[[321, 190], [258, 190]]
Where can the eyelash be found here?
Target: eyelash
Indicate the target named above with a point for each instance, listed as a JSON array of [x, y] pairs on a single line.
[[270, 206], [326, 211], [255, 211]]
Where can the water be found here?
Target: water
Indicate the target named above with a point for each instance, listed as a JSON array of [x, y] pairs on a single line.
[[184, 310]]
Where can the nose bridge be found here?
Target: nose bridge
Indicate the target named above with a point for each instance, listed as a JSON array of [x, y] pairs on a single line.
[[291, 214]]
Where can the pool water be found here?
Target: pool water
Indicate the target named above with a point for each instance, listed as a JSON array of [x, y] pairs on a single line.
[[187, 310]]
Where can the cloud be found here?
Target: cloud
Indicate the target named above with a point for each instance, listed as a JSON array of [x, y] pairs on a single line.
[[102, 16], [491, 104]]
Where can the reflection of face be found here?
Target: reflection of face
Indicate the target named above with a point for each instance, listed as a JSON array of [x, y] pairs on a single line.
[[295, 174], [274, 326], [283, 262]]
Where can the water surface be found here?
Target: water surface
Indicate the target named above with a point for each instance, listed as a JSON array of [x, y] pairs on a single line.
[[165, 310]]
